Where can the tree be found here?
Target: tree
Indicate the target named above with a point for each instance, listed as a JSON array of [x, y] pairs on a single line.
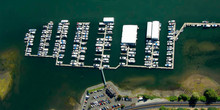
[[203, 98], [122, 106], [194, 97], [126, 96], [146, 97], [218, 99], [196, 109], [119, 97], [183, 97], [212, 108], [163, 108], [210, 95], [180, 108], [173, 98]]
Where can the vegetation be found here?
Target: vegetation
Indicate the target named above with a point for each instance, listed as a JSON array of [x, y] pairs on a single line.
[[8, 63], [99, 88], [119, 97], [218, 99], [196, 109], [146, 97], [212, 108], [183, 97], [210, 95], [122, 106], [203, 98], [126, 96], [173, 98], [194, 97], [163, 108]]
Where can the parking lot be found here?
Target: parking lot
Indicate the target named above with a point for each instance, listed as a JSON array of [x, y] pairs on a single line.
[[100, 100]]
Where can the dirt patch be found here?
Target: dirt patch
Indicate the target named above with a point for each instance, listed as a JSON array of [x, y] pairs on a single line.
[[199, 83]]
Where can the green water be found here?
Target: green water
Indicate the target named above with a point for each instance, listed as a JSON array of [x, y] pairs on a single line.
[[40, 85]]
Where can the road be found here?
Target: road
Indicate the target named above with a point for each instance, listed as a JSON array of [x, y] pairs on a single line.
[[173, 104]]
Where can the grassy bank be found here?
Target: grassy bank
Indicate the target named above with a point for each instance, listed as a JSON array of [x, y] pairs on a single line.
[[8, 62]]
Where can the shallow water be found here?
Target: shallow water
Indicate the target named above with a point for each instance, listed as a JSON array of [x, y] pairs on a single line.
[[42, 86]]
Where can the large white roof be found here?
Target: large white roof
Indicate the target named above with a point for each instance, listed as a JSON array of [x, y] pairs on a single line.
[[149, 29], [108, 19], [156, 30], [129, 34]]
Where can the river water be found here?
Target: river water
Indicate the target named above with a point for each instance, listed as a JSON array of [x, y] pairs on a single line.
[[40, 85]]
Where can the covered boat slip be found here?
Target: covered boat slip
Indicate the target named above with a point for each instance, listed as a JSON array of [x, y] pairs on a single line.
[[129, 34]]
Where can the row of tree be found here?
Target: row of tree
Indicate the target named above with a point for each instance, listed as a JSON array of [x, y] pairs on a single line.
[[209, 96], [165, 108]]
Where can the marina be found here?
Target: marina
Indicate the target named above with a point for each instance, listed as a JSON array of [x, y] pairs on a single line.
[[103, 44]]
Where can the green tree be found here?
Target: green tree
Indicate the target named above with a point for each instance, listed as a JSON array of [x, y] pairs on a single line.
[[202, 109], [163, 108], [119, 97], [194, 97], [122, 106], [203, 98], [126, 96], [173, 98], [196, 109], [183, 97], [218, 99], [180, 109], [212, 108], [210, 95], [146, 97]]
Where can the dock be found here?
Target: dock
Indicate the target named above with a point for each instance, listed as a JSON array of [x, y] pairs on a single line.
[[79, 46], [44, 41], [103, 44]]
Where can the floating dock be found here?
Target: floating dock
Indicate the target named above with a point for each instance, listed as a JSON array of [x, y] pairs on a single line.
[[103, 44]]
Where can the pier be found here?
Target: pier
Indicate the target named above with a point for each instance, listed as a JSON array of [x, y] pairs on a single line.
[[103, 76], [104, 44]]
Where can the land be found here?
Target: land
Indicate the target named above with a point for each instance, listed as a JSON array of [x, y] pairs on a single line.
[[8, 63], [194, 83]]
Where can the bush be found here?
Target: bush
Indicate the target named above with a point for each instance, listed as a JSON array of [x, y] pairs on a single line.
[[119, 97], [183, 97], [126, 96], [194, 97], [210, 95], [163, 108], [202, 109], [212, 108], [196, 109], [203, 98], [218, 99], [173, 98], [122, 106], [180, 109]]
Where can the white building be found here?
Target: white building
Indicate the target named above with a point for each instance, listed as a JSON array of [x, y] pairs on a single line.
[[153, 30], [129, 34]]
